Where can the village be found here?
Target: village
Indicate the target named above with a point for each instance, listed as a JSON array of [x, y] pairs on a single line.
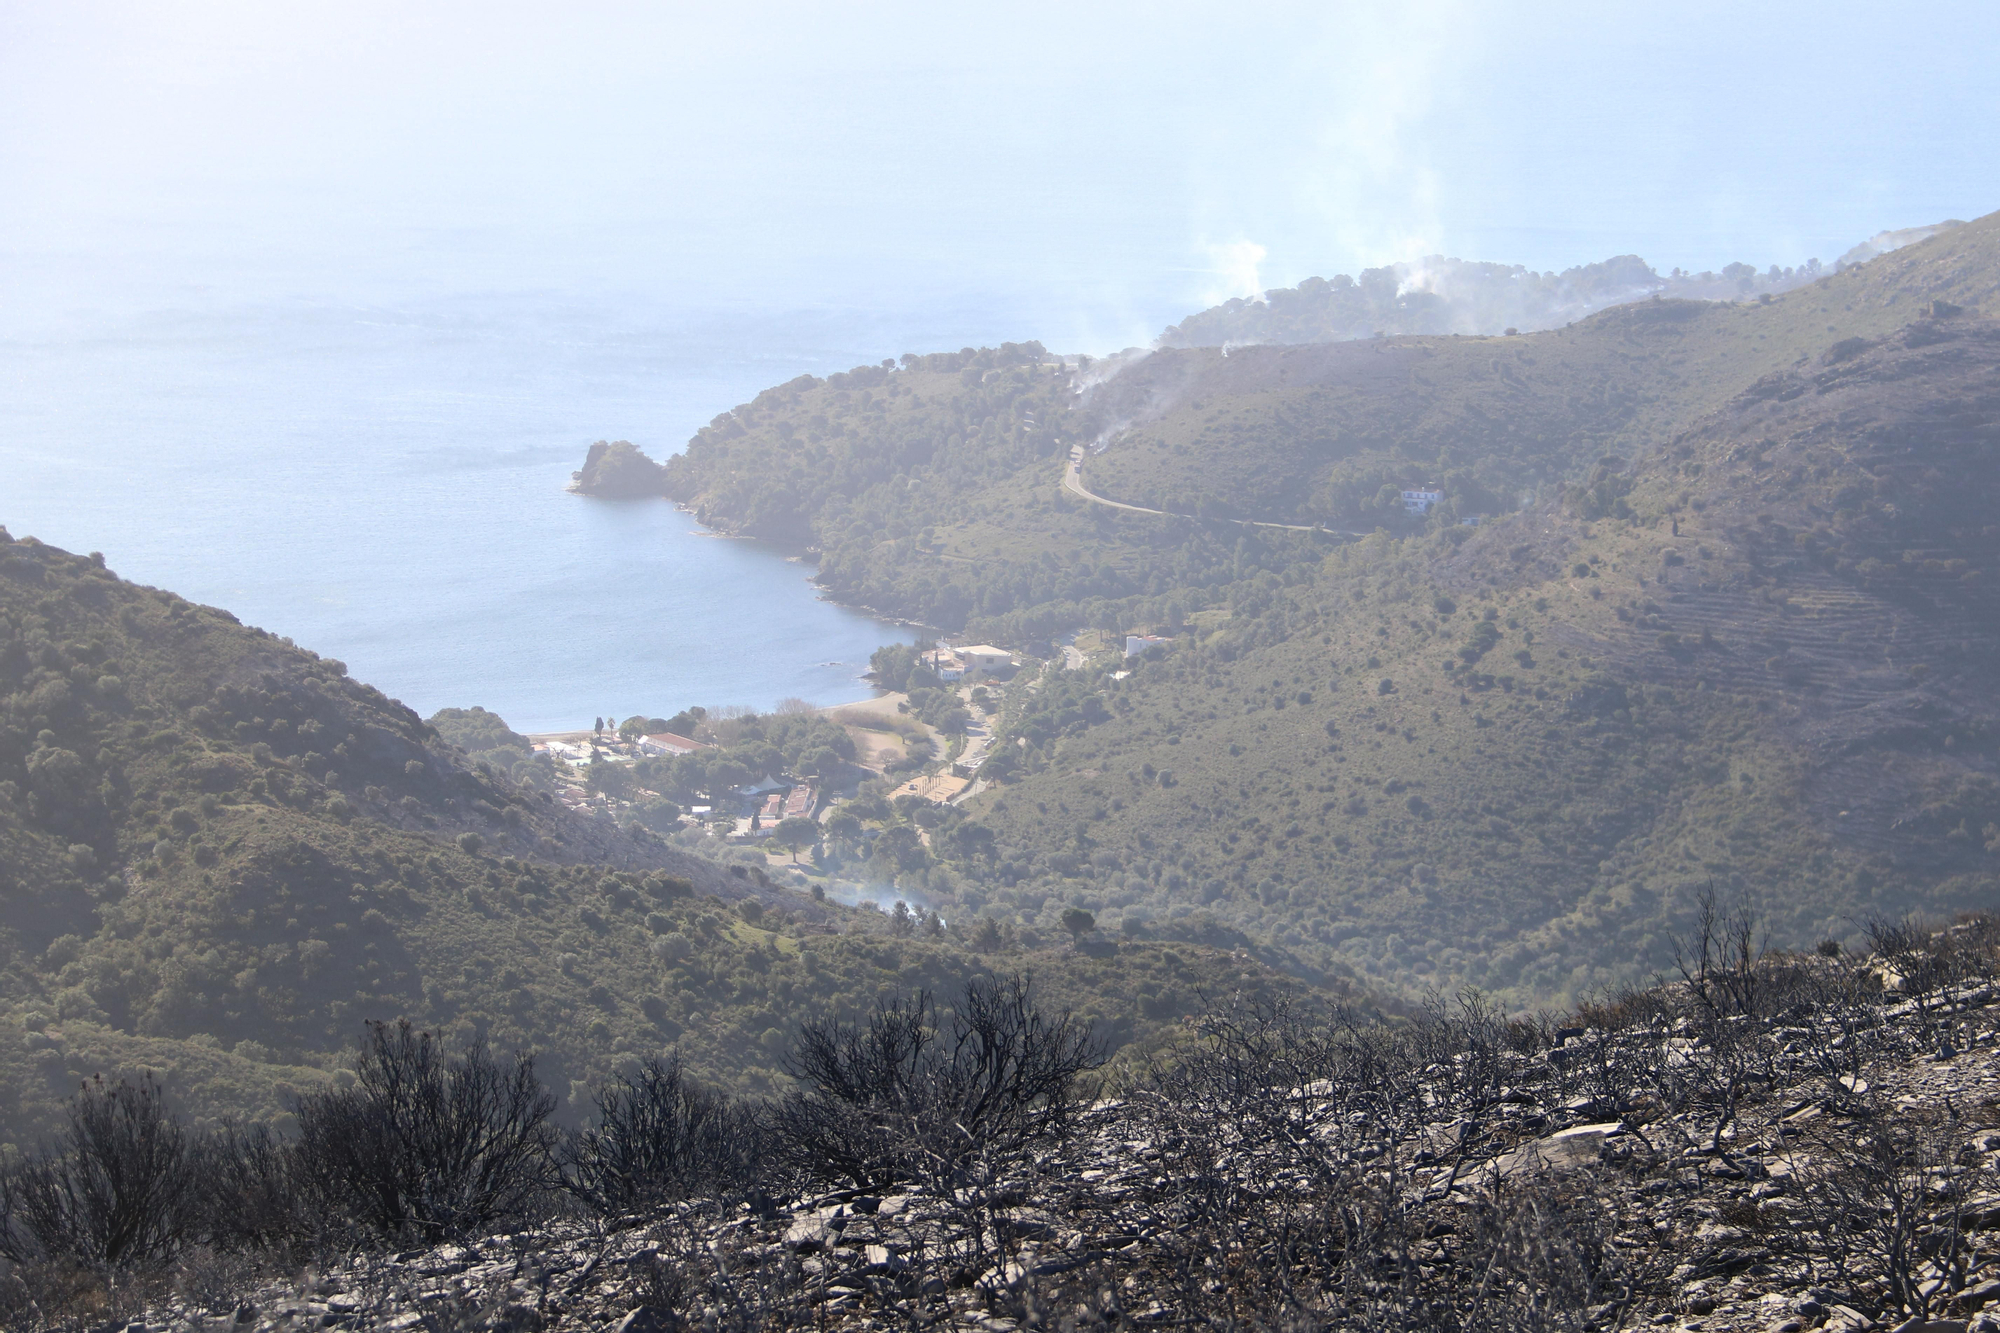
[[897, 755]]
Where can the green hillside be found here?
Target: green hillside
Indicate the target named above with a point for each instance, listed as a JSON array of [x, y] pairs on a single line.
[[219, 855], [928, 493], [1515, 759], [1507, 754], [1312, 434]]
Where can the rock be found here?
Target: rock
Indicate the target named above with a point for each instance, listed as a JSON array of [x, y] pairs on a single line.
[[808, 1234], [645, 1319]]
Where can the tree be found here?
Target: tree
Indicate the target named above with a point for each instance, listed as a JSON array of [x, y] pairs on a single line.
[[1078, 923], [797, 833], [898, 848], [632, 728], [724, 776], [611, 779]]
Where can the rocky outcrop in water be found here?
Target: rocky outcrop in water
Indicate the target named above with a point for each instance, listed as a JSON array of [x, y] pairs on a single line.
[[619, 470]]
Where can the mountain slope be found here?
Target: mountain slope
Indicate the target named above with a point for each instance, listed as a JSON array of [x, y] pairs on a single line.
[[219, 855], [1315, 433], [1515, 757], [1439, 295], [1737, 632]]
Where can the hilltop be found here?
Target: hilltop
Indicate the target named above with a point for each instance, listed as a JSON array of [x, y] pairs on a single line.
[[220, 854], [1723, 619], [1443, 295]]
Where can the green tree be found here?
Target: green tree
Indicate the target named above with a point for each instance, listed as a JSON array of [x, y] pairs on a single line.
[[1078, 923], [724, 776], [796, 833]]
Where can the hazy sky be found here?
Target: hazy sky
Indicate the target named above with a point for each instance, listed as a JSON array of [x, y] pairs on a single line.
[[1106, 167]]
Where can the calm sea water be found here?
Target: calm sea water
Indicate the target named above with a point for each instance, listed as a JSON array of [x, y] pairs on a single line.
[[385, 484]]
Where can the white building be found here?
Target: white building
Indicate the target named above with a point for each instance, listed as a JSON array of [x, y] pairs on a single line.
[[1420, 502], [666, 743], [1139, 643], [983, 659]]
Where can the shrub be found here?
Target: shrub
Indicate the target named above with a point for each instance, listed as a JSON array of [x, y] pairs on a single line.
[[427, 1146], [906, 1097], [658, 1138], [120, 1190]]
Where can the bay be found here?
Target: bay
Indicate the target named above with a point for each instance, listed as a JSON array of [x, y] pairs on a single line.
[[385, 483]]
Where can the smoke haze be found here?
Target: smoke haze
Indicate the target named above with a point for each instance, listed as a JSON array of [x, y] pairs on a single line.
[[1107, 169]]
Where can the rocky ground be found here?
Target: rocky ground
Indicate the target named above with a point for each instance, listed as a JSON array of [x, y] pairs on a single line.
[[1800, 1149]]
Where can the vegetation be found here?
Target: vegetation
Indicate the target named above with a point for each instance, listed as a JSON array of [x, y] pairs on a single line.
[[491, 743], [1772, 1130], [618, 470], [1439, 295], [219, 855], [1510, 754]]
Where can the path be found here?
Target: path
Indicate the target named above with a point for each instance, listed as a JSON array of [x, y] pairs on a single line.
[[1073, 483]]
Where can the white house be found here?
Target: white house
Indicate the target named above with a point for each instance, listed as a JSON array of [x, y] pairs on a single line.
[[1420, 502], [666, 743], [1139, 643], [983, 659]]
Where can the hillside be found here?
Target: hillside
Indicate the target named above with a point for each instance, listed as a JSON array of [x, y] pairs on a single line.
[[1785, 1143], [1513, 759], [219, 855], [1738, 632], [1320, 433]]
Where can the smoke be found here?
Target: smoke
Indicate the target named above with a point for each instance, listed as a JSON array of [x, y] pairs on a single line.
[[1237, 266], [1438, 295], [881, 897], [1371, 175], [1882, 242]]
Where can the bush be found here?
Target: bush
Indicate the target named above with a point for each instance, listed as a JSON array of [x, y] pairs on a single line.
[[659, 1138], [426, 1146], [907, 1097], [120, 1191]]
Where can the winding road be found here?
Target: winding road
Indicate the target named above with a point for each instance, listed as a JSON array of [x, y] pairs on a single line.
[[1073, 483]]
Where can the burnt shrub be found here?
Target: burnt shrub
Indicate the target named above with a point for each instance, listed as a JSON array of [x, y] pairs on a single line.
[[660, 1137], [427, 1146], [914, 1095], [119, 1190]]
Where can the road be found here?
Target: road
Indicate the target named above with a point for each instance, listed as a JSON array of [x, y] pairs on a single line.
[[1073, 483]]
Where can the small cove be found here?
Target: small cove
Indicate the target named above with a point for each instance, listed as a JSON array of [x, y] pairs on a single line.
[[387, 486]]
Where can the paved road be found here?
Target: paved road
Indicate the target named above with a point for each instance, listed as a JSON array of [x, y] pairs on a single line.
[[1073, 483]]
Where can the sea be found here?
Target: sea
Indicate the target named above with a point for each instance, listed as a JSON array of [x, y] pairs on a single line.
[[385, 481]]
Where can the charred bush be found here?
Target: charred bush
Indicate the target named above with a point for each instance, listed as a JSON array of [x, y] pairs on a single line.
[[427, 1146], [120, 1190], [912, 1095], [660, 1137]]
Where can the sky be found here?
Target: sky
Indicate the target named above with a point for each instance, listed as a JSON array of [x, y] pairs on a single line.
[[1084, 173]]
